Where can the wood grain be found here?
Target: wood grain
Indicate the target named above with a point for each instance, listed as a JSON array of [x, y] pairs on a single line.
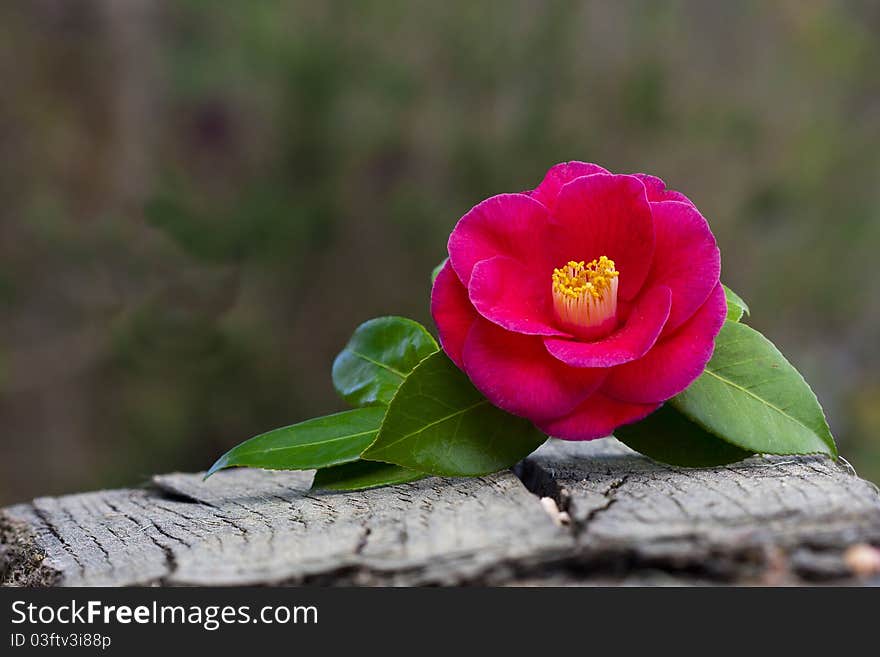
[[617, 518]]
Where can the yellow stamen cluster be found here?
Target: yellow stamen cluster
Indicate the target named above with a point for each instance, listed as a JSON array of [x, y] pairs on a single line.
[[585, 296], [577, 278]]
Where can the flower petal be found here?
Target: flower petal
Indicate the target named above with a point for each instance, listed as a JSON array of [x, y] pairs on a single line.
[[631, 341], [507, 224], [657, 191], [675, 361], [452, 311], [596, 417], [516, 373], [558, 176], [514, 296], [686, 259], [606, 215]]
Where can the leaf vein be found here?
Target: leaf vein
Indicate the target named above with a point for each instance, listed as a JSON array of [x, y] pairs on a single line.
[[431, 424], [379, 364], [304, 445], [760, 400]]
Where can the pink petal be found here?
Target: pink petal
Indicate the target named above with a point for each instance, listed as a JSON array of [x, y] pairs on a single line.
[[452, 311], [516, 374], [597, 417], [514, 296], [507, 224], [686, 258], [632, 341], [675, 361], [558, 176], [606, 215], [657, 191]]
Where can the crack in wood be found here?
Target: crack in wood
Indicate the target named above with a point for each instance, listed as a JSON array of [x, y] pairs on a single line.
[[610, 495]]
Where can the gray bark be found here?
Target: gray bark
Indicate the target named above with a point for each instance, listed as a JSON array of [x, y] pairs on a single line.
[[616, 517]]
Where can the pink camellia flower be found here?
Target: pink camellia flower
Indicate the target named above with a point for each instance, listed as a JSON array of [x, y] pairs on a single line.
[[583, 304]]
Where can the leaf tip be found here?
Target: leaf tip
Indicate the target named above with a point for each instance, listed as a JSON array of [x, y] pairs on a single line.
[[834, 454], [221, 463]]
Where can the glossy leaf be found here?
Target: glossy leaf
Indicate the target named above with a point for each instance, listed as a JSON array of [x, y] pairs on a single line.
[[667, 436], [436, 271], [359, 475], [751, 396], [736, 307], [316, 443], [440, 424], [379, 356]]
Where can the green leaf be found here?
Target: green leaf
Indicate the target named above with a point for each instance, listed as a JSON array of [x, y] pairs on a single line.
[[359, 475], [316, 443], [734, 312], [736, 307], [752, 397], [440, 424], [379, 356], [669, 437], [437, 269]]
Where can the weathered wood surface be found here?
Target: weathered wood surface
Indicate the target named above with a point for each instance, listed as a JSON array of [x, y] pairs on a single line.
[[615, 517]]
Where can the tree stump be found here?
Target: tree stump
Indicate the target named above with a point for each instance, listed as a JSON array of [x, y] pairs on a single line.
[[572, 513]]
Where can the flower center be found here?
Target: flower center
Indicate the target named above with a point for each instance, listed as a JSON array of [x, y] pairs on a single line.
[[585, 297]]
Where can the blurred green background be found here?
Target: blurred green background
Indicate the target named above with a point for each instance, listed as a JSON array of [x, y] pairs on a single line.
[[201, 200]]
